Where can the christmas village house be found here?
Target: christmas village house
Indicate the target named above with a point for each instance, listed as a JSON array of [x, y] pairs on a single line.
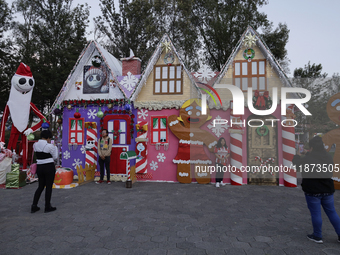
[[161, 100], [152, 115], [95, 96]]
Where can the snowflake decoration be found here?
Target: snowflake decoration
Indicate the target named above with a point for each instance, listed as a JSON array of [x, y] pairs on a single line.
[[82, 149], [143, 114], [92, 113], [154, 165], [166, 46], [67, 154], [76, 163], [129, 81], [249, 40], [204, 74], [161, 157], [219, 129]]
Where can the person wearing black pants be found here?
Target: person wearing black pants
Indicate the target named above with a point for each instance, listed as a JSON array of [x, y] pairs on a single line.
[[222, 154], [104, 153], [104, 162], [46, 153]]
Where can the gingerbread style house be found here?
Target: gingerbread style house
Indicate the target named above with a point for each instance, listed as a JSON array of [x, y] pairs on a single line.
[[160, 115], [96, 96]]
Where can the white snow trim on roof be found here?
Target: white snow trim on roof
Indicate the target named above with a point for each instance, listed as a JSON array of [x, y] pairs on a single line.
[[159, 105], [113, 63]]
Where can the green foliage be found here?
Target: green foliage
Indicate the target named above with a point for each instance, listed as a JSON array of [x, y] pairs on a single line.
[[7, 59], [50, 40], [202, 31], [276, 41], [309, 71], [311, 78], [132, 26]]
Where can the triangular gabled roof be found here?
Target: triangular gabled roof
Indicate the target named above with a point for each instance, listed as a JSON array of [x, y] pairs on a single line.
[[265, 51], [114, 66], [153, 60], [267, 54]]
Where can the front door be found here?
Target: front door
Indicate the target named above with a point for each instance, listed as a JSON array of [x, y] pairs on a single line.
[[119, 132], [262, 145]]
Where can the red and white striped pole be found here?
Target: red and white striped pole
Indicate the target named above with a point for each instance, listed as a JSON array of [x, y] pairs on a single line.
[[142, 136], [236, 176], [128, 170], [288, 148], [91, 135]]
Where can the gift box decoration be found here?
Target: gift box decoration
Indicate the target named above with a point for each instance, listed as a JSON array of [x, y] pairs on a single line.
[[15, 178]]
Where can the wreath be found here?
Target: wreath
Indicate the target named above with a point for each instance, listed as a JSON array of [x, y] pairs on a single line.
[[262, 102], [266, 130]]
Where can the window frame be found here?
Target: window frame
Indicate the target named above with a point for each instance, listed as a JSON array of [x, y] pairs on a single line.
[[152, 129], [249, 75], [168, 79], [82, 131]]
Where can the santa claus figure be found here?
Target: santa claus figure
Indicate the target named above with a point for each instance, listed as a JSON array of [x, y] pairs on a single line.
[[19, 106]]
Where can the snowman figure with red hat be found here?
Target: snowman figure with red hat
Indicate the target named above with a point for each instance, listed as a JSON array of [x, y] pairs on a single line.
[[19, 106]]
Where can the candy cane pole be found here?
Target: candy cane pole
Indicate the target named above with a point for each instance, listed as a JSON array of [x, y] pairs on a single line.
[[128, 168], [142, 163], [91, 155], [288, 148], [236, 150]]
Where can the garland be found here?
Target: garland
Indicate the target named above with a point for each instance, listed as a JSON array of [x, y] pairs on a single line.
[[99, 102], [261, 102], [132, 116]]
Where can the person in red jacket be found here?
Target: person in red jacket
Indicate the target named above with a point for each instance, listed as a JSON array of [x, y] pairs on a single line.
[[19, 106]]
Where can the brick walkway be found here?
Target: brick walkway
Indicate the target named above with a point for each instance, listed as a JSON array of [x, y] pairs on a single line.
[[162, 218]]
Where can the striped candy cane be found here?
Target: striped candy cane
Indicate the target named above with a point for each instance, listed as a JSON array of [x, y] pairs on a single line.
[[142, 162], [264, 163], [128, 172], [236, 150], [91, 135], [288, 147]]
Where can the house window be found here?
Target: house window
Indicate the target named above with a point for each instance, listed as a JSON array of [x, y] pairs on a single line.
[[159, 129], [117, 131], [76, 131], [250, 74], [168, 79]]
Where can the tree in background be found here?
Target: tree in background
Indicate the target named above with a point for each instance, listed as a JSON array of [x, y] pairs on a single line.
[[7, 58], [132, 26], [276, 41], [311, 78], [49, 40], [202, 31]]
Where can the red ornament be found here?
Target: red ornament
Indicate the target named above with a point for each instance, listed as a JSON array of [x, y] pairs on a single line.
[[77, 115]]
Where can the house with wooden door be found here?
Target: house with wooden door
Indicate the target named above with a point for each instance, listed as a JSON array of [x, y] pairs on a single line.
[[172, 118], [163, 92], [94, 97], [260, 139]]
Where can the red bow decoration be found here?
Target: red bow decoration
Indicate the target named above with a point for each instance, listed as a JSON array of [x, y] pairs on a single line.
[[261, 99]]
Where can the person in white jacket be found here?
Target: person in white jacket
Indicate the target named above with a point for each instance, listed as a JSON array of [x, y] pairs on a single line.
[[46, 153]]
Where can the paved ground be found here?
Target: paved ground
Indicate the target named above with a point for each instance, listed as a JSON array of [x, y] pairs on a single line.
[[162, 218]]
